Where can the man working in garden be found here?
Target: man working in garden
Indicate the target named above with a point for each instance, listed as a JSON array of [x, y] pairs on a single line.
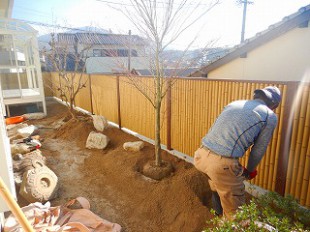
[[241, 124]]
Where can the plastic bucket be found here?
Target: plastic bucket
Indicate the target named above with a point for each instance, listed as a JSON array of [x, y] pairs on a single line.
[[14, 120]]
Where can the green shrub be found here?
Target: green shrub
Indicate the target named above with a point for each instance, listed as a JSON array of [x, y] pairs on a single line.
[[271, 212], [274, 205]]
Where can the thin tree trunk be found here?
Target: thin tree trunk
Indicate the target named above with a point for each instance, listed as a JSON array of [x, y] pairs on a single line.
[[72, 108], [157, 138], [157, 127]]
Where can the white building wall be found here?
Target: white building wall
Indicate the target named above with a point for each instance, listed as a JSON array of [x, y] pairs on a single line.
[[140, 49], [115, 64], [286, 58]]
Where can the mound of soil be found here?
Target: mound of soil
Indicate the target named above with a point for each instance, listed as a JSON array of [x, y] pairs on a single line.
[[111, 179]]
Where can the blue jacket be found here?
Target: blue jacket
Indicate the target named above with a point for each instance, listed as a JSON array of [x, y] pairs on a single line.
[[241, 125]]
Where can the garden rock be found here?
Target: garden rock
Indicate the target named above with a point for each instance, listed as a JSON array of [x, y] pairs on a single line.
[[100, 122], [12, 129], [18, 178], [37, 154], [19, 148], [39, 184], [28, 161], [97, 140], [133, 146], [32, 116]]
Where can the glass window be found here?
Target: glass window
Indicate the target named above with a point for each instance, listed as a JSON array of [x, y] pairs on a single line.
[[30, 54], [122, 52], [21, 63], [134, 53], [109, 52], [97, 52], [24, 78], [6, 50], [10, 83]]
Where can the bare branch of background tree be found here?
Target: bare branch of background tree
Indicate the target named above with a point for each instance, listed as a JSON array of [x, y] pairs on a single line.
[[63, 53], [162, 23]]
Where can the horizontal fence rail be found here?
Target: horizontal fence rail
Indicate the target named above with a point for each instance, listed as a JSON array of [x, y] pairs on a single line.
[[189, 110]]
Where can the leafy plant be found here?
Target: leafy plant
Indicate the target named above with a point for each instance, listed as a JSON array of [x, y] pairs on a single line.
[[274, 205], [271, 212]]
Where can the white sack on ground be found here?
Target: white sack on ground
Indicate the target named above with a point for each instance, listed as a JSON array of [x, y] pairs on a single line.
[[13, 128], [27, 131]]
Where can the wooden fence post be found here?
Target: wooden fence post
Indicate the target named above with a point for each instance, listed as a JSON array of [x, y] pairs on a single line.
[[168, 102], [285, 136], [90, 95], [118, 103]]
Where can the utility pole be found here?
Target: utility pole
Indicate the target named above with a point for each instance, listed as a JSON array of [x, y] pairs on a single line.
[[245, 4], [129, 52]]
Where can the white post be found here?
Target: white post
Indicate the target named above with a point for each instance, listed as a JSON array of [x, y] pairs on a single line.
[[6, 167], [17, 67], [29, 67], [37, 64]]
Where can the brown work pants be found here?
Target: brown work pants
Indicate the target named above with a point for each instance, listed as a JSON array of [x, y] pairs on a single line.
[[224, 178]]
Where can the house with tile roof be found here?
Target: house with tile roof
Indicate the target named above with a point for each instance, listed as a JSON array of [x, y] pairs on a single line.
[[106, 52], [281, 53]]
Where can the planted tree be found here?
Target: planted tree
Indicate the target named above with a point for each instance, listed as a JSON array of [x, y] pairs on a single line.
[[68, 59], [162, 23]]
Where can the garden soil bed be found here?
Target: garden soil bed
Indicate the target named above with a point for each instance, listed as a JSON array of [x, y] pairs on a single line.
[[111, 181]]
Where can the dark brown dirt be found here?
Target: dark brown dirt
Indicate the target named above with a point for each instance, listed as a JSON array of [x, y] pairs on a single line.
[[111, 181]]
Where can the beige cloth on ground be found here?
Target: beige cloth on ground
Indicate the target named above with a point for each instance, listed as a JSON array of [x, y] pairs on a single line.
[[44, 218]]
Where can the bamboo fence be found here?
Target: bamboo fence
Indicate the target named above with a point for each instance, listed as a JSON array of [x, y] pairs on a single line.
[[191, 109]]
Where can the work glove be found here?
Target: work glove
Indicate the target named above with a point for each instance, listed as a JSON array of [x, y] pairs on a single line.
[[249, 175]]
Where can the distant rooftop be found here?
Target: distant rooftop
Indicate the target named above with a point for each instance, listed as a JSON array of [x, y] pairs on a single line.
[[99, 38], [89, 29], [167, 72], [15, 25]]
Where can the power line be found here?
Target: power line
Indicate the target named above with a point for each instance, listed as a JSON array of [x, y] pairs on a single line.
[[124, 4], [41, 13], [66, 27], [115, 3], [53, 25]]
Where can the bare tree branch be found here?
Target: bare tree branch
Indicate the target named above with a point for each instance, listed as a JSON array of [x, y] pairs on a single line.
[[61, 53], [162, 23]]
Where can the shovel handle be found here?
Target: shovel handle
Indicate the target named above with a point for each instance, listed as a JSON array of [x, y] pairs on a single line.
[[16, 210]]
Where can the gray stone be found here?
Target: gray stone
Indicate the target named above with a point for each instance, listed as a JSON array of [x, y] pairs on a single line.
[[19, 148], [32, 116], [100, 122], [96, 140], [133, 146]]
